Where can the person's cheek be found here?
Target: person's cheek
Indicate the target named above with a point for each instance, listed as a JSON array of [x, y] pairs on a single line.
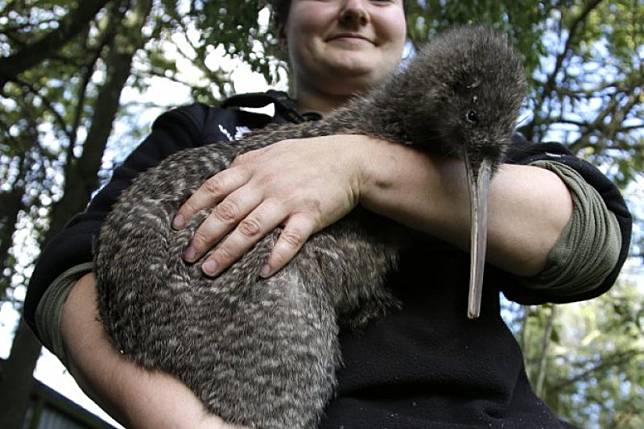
[[392, 25]]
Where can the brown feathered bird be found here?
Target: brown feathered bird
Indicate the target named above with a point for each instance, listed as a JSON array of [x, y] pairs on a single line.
[[263, 352]]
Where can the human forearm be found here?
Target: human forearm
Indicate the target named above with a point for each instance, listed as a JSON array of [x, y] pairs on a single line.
[[528, 206], [308, 184], [135, 397]]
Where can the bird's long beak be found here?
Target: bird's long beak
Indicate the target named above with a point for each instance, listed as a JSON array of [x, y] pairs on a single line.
[[478, 178]]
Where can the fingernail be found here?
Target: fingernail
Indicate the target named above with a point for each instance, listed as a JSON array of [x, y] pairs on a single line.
[[189, 254], [209, 267], [178, 222], [266, 270]]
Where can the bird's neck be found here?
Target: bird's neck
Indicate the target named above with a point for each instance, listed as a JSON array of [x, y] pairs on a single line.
[[395, 114]]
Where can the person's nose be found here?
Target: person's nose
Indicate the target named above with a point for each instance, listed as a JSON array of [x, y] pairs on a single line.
[[354, 13]]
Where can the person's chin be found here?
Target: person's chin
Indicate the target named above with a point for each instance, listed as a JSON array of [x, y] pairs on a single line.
[[351, 65], [350, 81]]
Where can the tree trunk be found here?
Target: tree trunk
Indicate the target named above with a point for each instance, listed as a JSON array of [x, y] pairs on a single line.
[[33, 54], [81, 175], [545, 346], [11, 203], [80, 180], [16, 379]]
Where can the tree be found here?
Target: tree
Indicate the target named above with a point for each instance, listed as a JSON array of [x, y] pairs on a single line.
[[64, 64], [31, 54], [80, 175], [589, 366]]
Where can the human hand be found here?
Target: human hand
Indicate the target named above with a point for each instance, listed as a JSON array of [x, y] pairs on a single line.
[[302, 184], [135, 397]]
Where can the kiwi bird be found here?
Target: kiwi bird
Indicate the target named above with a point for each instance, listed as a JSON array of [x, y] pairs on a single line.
[[263, 352]]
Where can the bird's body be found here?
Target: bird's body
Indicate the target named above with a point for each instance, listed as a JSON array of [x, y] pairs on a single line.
[[263, 352]]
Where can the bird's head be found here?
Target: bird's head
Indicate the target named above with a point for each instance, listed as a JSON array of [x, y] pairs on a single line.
[[467, 88], [464, 92]]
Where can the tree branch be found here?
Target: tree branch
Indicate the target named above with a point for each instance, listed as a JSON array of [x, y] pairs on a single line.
[[29, 25], [6, 129], [199, 59], [72, 24], [81, 177], [613, 109], [157, 73], [106, 39], [636, 149], [615, 359], [59, 119], [572, 32], [6, 7]]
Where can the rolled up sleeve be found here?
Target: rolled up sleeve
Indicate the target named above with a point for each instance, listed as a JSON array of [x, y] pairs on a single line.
[[50, 309], [588, 248]]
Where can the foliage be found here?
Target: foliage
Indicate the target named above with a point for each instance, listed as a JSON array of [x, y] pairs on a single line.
[[594, 362], [583, 59]]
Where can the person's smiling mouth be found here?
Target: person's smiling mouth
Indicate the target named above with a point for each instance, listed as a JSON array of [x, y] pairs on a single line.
[[350, 37]]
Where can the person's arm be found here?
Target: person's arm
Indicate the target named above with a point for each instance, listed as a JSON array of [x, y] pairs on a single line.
[[528, 206], [133, 396], [308, 184]]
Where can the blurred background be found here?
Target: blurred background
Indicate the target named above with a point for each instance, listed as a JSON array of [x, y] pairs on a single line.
[[82, 81]]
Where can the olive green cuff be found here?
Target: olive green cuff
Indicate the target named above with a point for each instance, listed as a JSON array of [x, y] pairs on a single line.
[[50, 309], [588, 247]]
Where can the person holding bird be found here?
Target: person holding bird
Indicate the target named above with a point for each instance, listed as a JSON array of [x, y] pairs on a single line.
[[425, 365]]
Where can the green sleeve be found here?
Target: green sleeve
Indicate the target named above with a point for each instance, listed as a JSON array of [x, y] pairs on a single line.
[[588, 247], [50, 309]]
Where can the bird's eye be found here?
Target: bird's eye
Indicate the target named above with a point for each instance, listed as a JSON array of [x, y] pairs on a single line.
[[472, 116]]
